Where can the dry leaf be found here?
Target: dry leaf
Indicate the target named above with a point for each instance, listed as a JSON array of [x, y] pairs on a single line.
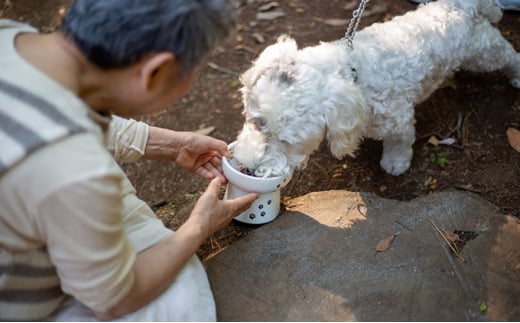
[[433, 141], [468, 186], [259, 38], [385, 243], [336, 22], [377, 9], [451, 236], [351, 6], [269, 6], [447, 141], [430, 182], [337, 174], [272, 15], [513, 136]]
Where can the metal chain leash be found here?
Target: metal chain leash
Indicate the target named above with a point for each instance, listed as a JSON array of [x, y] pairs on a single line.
[[354, 23]]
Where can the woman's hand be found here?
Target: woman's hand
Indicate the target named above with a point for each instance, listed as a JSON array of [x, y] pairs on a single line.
[[196, 153], [211, 214]]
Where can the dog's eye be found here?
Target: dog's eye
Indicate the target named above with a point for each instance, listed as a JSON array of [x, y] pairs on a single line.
[[258, 123]]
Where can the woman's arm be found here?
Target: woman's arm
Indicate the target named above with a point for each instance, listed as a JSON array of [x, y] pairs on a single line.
[[156, 267], [196, 153]]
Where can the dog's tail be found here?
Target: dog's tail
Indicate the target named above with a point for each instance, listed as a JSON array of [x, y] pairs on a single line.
[[485, 8]]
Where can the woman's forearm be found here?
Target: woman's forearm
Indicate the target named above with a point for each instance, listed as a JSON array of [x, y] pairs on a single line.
[[163, 144]]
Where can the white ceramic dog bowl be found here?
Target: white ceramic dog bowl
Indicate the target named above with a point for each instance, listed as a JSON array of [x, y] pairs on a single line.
[[266, 207]]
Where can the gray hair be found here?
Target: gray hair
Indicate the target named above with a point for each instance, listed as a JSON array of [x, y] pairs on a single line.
[[117, 33]]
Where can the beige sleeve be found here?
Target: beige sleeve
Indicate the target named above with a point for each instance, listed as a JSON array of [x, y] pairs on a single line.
[[127, 139]]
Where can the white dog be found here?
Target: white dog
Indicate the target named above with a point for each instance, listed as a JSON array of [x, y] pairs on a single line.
[[294, 98]]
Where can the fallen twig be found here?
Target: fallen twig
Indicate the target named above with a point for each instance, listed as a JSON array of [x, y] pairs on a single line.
[[223, 69], [457, 126], [454, 249], [404, 226], [465, 131], [214, 242]]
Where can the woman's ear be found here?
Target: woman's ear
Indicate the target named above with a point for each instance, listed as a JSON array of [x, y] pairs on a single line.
[[157, 68]]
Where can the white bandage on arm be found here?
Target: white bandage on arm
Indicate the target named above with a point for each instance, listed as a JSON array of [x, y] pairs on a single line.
[[127, 139]]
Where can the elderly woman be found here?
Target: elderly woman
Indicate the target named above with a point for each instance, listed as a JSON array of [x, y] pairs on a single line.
[[75, 241]]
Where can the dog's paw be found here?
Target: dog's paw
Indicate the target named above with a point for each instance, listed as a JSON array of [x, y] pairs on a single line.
[[395, 166]]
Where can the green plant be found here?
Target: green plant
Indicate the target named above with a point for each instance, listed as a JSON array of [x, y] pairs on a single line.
[[438, 156]]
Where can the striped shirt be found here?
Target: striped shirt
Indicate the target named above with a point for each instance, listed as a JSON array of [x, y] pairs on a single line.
[[53, 241], [33, 124], [29, 284]]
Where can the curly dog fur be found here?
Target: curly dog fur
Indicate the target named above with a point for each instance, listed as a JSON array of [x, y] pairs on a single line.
[[294, 98]]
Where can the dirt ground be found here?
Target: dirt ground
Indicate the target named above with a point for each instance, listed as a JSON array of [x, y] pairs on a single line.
[[475, 109]]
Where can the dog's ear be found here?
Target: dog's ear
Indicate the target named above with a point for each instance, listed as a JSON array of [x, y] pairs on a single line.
[[288, 43], [278, 54], [346, 115], [284, 47], [247, 79]]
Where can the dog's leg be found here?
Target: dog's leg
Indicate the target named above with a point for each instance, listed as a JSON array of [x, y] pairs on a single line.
[[398, 152], [492, 52]]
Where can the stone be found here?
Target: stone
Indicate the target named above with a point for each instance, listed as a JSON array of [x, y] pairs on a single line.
[[317, 262]]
